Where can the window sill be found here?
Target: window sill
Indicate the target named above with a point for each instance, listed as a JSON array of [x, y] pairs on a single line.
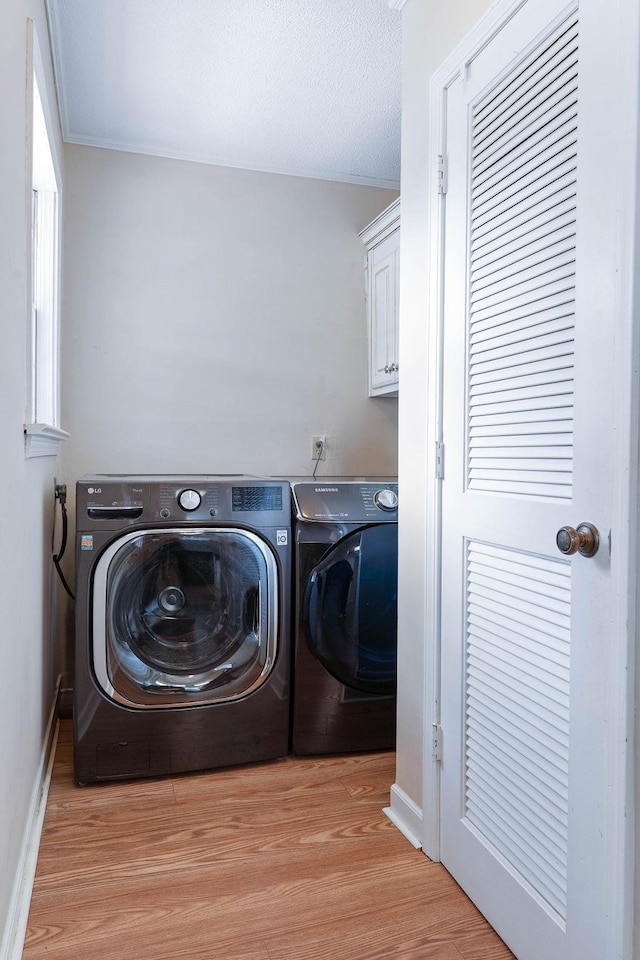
[[42, 440]]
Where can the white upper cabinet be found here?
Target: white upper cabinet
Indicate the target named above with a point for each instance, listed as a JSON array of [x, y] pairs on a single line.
[[382, 240]]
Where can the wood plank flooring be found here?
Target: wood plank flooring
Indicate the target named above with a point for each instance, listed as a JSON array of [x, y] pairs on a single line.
[[274, 861]]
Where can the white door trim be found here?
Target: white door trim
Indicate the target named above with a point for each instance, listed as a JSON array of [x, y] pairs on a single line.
[[624, 555], [624, 559], [452, 71]]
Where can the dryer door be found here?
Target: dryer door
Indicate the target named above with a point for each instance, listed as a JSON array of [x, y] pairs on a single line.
[[350, 610], [183, 617]]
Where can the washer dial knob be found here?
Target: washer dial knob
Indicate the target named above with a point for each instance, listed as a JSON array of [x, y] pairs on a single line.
[[386, 500], [189, 500]]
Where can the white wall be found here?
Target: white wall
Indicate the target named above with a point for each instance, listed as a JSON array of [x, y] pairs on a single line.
[[215, 320], [430, 32], [28, 664]]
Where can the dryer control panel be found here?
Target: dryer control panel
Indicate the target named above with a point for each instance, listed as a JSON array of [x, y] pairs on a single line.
[[346, 501]]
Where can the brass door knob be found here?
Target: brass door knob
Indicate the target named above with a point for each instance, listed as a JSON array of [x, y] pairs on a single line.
[[585, 540]]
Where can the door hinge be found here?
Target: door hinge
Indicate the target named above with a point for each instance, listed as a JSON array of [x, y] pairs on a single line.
[[439, 460], [436, 741], [442, 174]]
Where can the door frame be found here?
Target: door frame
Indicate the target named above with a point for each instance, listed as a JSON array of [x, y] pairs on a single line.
[[623, 770]]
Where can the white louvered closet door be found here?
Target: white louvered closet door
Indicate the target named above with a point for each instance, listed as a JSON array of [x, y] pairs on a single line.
[[527, 370]]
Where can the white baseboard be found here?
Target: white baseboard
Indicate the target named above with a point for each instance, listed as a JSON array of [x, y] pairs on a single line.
[[406, 815], [18, 914]]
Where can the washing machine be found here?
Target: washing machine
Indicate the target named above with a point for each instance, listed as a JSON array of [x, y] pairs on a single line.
[[182, 624], [345, 583]]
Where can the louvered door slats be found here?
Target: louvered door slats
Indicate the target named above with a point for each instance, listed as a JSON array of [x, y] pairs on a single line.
[[515, 258], [524, 264], [497, 457], [519, 244], [535, 86], [530, 410], [517, 674], [529, 649], [552, 487], [518, 435], [525, 615], [512, 346], [493, 104], [539, 189], [509, 780], [525, 857], [538, 298], [534, 734], [533, 362], [547, 375], [537, 758], [555, 314], [489, 240], [546, 848], [486, 467], [518, 633], [557, 101], [555, 200], [543, 394], [527, 811], [522, 250], [524, 357], [537, 569], [533, 128], [511, 584], [515, 292], [539, 693], [550, 111], [552, 151], [528, 419], [554, 162], [520, 351], [538, 761], [539, 768], [522, 488], [560, 128]]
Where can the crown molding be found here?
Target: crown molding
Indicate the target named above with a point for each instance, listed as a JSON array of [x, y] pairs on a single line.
[[152, 151]]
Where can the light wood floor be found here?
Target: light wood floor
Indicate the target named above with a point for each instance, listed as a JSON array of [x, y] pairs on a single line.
[[291, 860]]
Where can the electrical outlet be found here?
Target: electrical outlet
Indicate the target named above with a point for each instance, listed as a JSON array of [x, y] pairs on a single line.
[[319, 447]]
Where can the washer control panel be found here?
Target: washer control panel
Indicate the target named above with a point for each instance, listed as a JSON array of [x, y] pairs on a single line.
[[351, 501], [112, 501]]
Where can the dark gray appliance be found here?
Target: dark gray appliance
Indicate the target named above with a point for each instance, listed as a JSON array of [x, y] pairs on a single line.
[[346, 560], [182, 624]]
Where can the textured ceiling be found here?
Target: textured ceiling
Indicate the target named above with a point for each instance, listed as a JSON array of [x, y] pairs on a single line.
[[304, 87]]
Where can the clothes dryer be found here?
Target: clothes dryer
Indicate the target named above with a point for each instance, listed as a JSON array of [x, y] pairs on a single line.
[[182, 624], [345, 582]]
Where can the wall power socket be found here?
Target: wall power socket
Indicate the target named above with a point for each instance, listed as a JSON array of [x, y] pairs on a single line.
[[319, 447]]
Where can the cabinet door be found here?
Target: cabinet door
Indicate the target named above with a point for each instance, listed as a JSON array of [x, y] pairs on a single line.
[[384, 264]]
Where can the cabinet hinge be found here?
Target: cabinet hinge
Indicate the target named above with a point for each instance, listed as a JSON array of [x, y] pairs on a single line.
[[442, 174], [439, 460], [436, 741]]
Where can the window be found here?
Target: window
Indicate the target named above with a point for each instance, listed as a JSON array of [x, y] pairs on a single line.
[[42, 429]]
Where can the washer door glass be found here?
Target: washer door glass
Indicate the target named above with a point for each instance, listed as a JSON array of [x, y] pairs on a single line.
[[350, 610], [189, 616]]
